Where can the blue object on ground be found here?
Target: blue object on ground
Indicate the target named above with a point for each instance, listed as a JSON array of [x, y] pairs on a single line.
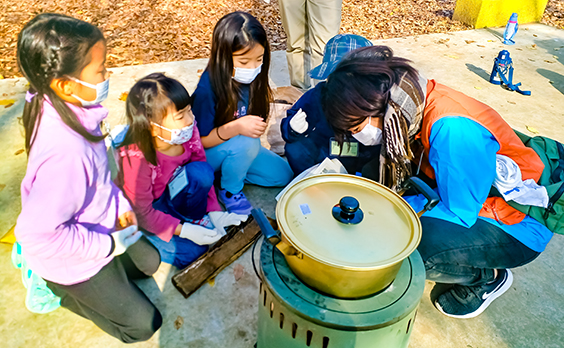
[[510, 30], [502, 73], [39, 298]]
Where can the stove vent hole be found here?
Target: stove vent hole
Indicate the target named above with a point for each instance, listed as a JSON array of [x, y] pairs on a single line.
[[408, 325], [271, 309], [309, 336], [281, 320], [294, 330], [325, 342]]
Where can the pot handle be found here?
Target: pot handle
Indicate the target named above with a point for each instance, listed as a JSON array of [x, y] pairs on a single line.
[[267, 230], [421, 187]]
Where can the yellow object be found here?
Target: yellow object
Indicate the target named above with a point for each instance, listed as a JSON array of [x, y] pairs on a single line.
[[496, 13], [9, 237]]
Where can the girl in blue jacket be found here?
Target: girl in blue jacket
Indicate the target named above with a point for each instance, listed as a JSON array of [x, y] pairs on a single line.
[[231, 105]]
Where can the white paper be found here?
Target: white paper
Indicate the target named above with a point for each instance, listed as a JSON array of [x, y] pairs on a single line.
[[326, 167]]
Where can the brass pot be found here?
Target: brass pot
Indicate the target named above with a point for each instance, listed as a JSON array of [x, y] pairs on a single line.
[[343, 235]]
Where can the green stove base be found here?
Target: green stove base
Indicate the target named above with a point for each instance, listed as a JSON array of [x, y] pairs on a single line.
[[292, 315]]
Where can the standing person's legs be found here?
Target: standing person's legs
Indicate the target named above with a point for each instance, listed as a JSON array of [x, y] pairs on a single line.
[[234, 157], [324, 22], [294, 21], [475, 259], [269, 170], [112, 301]]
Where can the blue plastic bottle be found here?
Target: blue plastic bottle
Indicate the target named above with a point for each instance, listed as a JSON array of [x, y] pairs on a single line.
[[510, 30]]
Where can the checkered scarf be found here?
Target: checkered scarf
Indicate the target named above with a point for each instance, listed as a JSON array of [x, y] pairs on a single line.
[[402, 122]]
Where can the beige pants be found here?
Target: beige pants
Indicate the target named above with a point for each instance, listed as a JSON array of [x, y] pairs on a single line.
[[308, 24]]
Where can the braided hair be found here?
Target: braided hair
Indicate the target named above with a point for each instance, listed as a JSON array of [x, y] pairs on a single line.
[[53, 46]]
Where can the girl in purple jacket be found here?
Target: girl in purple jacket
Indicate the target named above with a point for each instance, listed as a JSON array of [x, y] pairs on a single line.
[[76, 229]]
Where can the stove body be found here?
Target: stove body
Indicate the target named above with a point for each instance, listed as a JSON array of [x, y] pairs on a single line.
[[293, 315]]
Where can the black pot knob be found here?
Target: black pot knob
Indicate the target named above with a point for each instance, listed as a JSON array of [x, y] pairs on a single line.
[[348, 211]]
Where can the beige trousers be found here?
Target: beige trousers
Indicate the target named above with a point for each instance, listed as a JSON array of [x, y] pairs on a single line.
[[308, 24]]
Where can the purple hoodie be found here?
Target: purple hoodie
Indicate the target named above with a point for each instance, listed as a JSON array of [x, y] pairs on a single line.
[[69, 203]]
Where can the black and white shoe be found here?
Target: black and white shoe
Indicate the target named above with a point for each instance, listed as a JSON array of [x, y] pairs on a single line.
[[470, 301]]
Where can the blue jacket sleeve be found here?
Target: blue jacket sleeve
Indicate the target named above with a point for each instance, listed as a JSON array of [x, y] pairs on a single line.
[[203, 105], [463, 155]]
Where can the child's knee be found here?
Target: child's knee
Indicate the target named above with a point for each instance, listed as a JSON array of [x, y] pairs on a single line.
[[245, 145], [201, 174], [142, 327]]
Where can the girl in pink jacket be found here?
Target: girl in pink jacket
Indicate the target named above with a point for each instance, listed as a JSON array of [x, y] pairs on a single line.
[[164, 172]]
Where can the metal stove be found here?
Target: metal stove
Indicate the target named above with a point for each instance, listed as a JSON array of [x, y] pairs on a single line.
[[293, 315]]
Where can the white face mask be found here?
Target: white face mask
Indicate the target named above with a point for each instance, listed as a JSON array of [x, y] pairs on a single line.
[[101, 88], [369, 135], [246, 76], [177, 136]]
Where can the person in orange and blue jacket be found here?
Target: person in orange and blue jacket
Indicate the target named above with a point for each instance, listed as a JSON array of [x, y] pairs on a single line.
[[470, 239]]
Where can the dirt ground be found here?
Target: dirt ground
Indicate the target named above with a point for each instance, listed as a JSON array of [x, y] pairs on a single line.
[[151, 31]]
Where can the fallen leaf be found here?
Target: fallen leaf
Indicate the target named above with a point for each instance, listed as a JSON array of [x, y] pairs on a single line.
[[555, 57], [519, 49], [2, 187], [123, 96], [532, 130], [7, 102], [178, 322], [20, 151], [531, 59], [556, 49], [452, 56], [469, 41], [535, 35], [476, 87], [238, 271], [511, 102], [490, 40], [9, 105], [480, 45], [211, 281], [549, 61], [533, 47]]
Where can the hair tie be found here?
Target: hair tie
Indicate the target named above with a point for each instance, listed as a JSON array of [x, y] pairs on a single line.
[[29, 96]]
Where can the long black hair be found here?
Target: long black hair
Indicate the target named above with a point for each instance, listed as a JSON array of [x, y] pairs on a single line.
[[359, 87], [149, 101], [237, 31], [53, 46]]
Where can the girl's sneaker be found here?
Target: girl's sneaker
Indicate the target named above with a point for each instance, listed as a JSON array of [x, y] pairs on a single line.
[[469, 301], [235, 203]]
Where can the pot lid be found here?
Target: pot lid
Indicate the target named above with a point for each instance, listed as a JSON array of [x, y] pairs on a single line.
[[317, 215]]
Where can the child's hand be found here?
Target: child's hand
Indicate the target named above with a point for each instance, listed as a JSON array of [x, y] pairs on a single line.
[[251, 126], [125, 220]]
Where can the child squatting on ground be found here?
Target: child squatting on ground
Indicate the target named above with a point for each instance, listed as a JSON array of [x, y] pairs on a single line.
[[76, 229], [164, 172], [231, 104]]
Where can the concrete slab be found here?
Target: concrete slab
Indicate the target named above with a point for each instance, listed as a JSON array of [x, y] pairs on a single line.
[[224, 314]]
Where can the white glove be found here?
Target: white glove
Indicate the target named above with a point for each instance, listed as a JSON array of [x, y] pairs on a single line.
[[198, 234], [222, 219], [123, 239], [298, 122]]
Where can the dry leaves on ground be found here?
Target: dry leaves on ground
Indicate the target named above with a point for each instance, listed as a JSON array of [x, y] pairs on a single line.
[[151, 31]]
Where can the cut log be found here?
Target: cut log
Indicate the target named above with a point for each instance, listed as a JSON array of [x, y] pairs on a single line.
[[237, 240]]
